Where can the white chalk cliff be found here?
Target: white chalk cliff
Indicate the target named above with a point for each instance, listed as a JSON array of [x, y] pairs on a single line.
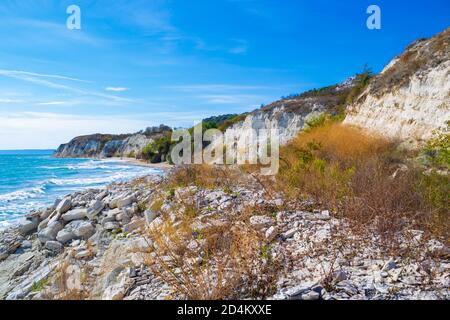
[[410, 99]]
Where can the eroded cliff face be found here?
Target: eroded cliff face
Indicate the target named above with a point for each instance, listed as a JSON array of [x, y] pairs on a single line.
[[289, 116], [410, 99], [288, 123], [107, 146]]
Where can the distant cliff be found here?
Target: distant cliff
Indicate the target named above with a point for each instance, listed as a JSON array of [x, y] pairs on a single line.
[[108, 145]]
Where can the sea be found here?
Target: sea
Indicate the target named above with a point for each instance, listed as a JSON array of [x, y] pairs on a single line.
[[32, 180]]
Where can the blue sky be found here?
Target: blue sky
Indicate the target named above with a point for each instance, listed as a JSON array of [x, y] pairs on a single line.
[[140, 63]]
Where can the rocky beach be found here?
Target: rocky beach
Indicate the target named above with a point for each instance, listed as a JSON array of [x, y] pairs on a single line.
[[95, 245]]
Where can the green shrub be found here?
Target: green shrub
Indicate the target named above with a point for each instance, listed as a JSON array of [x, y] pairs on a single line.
[[40, 285], [230, 122], [155, 151], [317, 121], [437, 151], [362, 80]]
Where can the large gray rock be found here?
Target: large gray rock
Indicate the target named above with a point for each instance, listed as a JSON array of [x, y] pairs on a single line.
[[133, 225], [82, 229], [115, 285], [54, 247], [27, 226], [46, 213], [114, 200], [125, 201], [50, 232], [102, 195], [77, 229], [271, 233], [295, 293], [111, 226], [75, 214], [260, 222], [21, 289], [310, 296], [95, 208], [65, 235], [8, 248], [289, 234], [124, 216], [64, 205], [150, 216]]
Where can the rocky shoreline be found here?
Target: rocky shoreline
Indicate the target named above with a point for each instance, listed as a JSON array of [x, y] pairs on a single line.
[[95, 244]]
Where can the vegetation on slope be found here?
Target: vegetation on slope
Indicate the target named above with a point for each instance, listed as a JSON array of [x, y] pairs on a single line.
[[437, 150], [378, 192], [357, 176], [159, 150], [365, 178], [422, 55]]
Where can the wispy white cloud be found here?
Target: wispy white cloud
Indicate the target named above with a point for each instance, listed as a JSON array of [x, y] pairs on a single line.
[[17, 73], [10, 101], [39, 79], [52, 103], [152, 16], [117, 89]]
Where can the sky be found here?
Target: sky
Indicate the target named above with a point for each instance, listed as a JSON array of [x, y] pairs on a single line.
[[139, 63]]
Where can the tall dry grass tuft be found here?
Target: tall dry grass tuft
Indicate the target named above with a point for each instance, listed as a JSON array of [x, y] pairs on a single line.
[[204, 176], [224, 260], [68, 283]]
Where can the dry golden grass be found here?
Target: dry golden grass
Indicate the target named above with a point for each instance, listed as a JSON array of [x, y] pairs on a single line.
[[352, 173], [322, 162], [225, 260], [339, 143], [204, 176], [64, 290]]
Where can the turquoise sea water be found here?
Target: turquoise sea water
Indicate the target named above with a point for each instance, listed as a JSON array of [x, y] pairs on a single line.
[[33, 179]]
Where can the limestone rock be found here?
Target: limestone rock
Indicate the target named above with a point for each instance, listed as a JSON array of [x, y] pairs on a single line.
[[26, 226], [82, 229], [75, 214], [54, 246], [95, 208], [64, 205], [50, 232], [271, 233], [260, 222], [150, 216]]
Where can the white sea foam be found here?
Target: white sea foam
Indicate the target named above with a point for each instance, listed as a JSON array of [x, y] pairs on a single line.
[[116, 176], [26, 193], [61, 182]]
